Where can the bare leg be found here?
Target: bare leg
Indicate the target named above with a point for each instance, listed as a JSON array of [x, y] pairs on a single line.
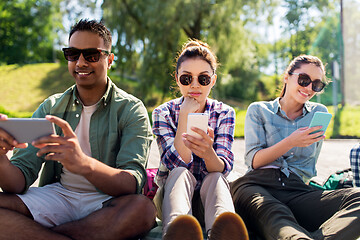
[[16, 221], [123, 218]]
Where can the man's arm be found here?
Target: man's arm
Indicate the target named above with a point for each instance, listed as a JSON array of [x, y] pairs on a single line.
[[66, 149], [11, 178]]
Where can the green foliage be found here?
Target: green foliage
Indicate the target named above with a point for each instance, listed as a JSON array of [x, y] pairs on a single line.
[[27, 30], [240, 122], [150, 33]]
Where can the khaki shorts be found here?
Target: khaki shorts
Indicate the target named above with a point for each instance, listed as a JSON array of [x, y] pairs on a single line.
[[53, 204]]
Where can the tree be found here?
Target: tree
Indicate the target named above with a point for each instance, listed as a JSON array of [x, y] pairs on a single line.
[[150, 32], [27, 30]]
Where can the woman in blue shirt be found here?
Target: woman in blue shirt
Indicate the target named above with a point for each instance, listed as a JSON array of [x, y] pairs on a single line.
[[273, 197]]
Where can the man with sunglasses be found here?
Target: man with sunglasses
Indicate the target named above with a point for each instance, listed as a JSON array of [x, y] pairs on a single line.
[[94, 167]]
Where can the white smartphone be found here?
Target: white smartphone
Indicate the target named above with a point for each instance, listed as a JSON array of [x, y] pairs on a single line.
[[199, 120], [320, 119], [25, 130]]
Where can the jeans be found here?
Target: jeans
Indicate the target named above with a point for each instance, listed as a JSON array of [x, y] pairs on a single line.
[[280, 207]]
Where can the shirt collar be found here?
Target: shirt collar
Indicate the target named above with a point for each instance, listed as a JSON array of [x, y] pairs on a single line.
[[104, 100], [277, 107]]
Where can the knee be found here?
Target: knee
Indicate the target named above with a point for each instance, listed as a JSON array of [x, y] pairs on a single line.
[[214, 176], [178, 171], [182, 174], [136, 205], [352, 196]]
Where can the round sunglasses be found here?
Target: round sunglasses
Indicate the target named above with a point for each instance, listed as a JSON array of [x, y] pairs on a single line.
[[203, 79], [90, 54], [304, 80]]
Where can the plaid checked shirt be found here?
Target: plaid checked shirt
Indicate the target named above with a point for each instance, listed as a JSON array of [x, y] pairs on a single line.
[[165, 121], [355, 164]]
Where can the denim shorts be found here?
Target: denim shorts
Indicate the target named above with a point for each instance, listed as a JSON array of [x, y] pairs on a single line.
[[53, 204]]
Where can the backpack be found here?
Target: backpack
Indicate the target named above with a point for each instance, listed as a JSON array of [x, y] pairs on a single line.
[[150, 187], [337, 180]]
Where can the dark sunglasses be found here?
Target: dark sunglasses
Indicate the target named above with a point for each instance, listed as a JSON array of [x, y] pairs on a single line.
[[304, 80], [203, 79], [90, 54]]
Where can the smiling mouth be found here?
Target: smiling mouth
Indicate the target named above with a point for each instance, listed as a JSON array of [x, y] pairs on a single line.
[[304, 93], [83, 73]]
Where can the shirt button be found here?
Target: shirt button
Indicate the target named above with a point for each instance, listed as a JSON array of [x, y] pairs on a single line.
[[77, 115], [279, 179], [293, 123], [105, 104], [283, 184], [292, 153]]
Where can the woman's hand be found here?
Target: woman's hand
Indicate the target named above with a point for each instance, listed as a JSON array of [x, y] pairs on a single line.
[[203, 147], [302, 137], [189, 105]]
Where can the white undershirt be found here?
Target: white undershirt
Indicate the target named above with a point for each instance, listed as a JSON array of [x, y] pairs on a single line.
[[69, 180]]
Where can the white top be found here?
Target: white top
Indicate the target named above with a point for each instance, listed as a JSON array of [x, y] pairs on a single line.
[[69, 180]]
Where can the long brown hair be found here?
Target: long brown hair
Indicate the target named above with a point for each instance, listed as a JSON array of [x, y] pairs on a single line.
[[297, 62]]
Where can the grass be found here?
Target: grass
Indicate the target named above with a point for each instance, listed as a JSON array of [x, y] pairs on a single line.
[[24, 87]]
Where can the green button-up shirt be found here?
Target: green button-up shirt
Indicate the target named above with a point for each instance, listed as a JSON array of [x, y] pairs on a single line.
[[120, 134]]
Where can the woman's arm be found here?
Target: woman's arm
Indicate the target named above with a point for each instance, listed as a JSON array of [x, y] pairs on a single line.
[[215, 150], [257, 151]]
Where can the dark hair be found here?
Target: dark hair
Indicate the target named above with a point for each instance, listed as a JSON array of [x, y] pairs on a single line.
[[95, 27], [297, 62], [194, 48]]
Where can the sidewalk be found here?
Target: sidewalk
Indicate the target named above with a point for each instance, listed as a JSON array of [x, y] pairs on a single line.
[[334, 156]]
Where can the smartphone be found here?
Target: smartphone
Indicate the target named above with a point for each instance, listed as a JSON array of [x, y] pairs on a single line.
[[320, 119], [199, 120], [25, 130]]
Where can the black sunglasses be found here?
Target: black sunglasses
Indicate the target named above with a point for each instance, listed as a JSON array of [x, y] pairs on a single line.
[[90, 54], [304, 80], [203, 79]]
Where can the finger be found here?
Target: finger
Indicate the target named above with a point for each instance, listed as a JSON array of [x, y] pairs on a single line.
[[3, 151], [318, 136], [49, 140], [53, 157], [199, 131], [211, 132], [64, 125], [312, 129], [193, 139], [6, 137], [4, 144], [50, 149], [3, 117]]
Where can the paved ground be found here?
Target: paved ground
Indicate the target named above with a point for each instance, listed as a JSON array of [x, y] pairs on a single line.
[[334, 156]]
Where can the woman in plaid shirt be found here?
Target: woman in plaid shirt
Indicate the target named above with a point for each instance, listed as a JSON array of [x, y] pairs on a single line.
[[192, 171]]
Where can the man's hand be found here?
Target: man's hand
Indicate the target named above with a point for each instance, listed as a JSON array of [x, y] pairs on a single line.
[[64, 149], [8, 142]]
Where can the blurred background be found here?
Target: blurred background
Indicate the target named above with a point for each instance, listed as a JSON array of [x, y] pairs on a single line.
[[254, 41]]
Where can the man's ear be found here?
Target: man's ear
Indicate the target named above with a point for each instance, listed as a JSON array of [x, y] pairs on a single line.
[[110, 60]]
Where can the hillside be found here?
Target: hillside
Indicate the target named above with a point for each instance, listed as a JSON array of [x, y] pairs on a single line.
[[24, 87]]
